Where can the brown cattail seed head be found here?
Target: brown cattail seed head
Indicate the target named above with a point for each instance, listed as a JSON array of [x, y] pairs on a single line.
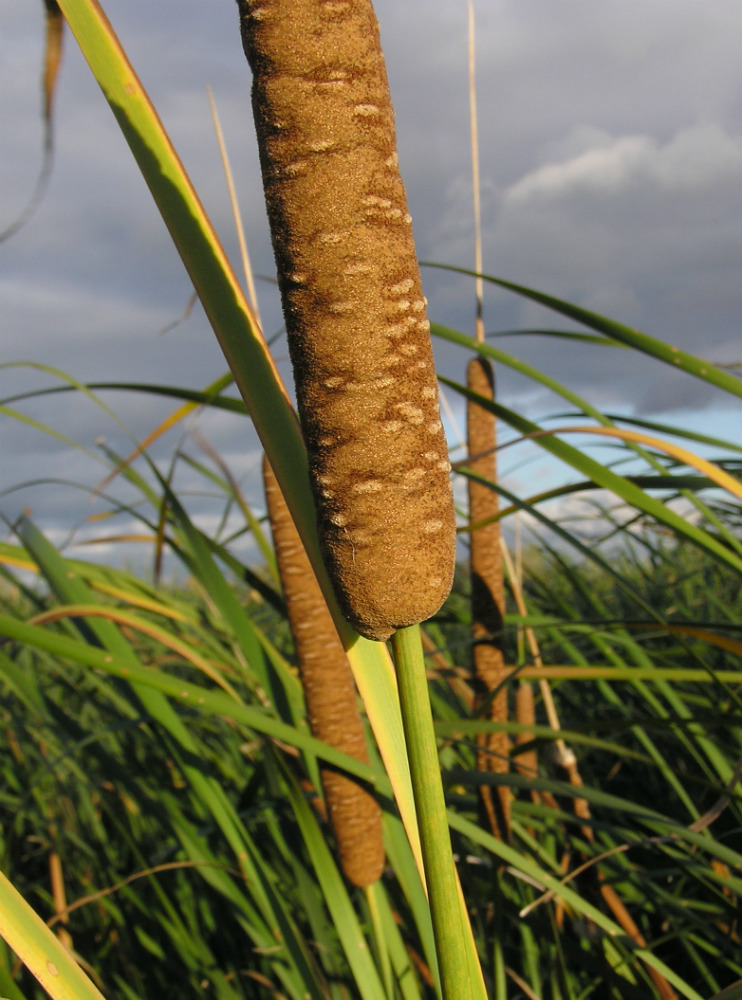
[[488, 593], [330, 695], [525, 714], [354, 308]]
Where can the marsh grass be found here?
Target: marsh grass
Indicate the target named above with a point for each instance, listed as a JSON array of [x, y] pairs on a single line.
[[151, 859], [158, 773]]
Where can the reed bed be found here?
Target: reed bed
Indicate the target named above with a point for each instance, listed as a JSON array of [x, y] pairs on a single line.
[[159, 829]]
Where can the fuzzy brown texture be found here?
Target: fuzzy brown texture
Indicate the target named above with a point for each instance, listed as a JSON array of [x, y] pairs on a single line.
[[330, 695], [525, 715], [354, 308], [488, 594]]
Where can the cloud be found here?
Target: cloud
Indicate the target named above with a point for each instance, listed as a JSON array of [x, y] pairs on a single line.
[[605, 169], [611, 160], [697, 158]]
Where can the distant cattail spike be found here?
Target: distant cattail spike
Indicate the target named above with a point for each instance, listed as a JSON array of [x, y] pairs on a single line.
[[329, 693], [525, 715], [488, 594], [354, 307]]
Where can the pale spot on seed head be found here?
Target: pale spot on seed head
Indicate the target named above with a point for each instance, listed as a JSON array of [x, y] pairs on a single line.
[[368, 486], [430, 527], [410, 412], [335, 77], [402, 287], [396, 330], [376, 200], [359, 267], [296, 168]]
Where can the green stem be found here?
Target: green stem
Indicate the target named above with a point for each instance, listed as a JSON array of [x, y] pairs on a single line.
[[443, 892]]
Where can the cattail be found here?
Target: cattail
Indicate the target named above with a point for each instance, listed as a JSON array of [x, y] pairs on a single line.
[[488, 595], [354, 308], [525, 714], [329, 693], [527, 763]]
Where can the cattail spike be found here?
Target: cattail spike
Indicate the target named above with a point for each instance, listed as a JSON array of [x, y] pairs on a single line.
[[488, 595], [330, 695], [525, 715], [354, 307]]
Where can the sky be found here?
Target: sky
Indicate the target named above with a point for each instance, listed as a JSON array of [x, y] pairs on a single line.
[[611, 172]]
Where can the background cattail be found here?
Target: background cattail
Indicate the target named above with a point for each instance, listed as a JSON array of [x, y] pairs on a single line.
[[329, 693], [488, 594], [525, 715], [354, 308]]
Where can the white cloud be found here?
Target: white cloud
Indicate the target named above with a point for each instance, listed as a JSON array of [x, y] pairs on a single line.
[[605, 168], [696, 157]]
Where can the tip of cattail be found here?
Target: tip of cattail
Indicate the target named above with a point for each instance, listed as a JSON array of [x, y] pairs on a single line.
[[405, 583]]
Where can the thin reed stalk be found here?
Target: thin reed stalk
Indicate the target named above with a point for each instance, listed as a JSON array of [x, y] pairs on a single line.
[[487, 581]]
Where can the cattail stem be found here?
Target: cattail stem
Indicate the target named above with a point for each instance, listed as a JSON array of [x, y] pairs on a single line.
[[440, 874]]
